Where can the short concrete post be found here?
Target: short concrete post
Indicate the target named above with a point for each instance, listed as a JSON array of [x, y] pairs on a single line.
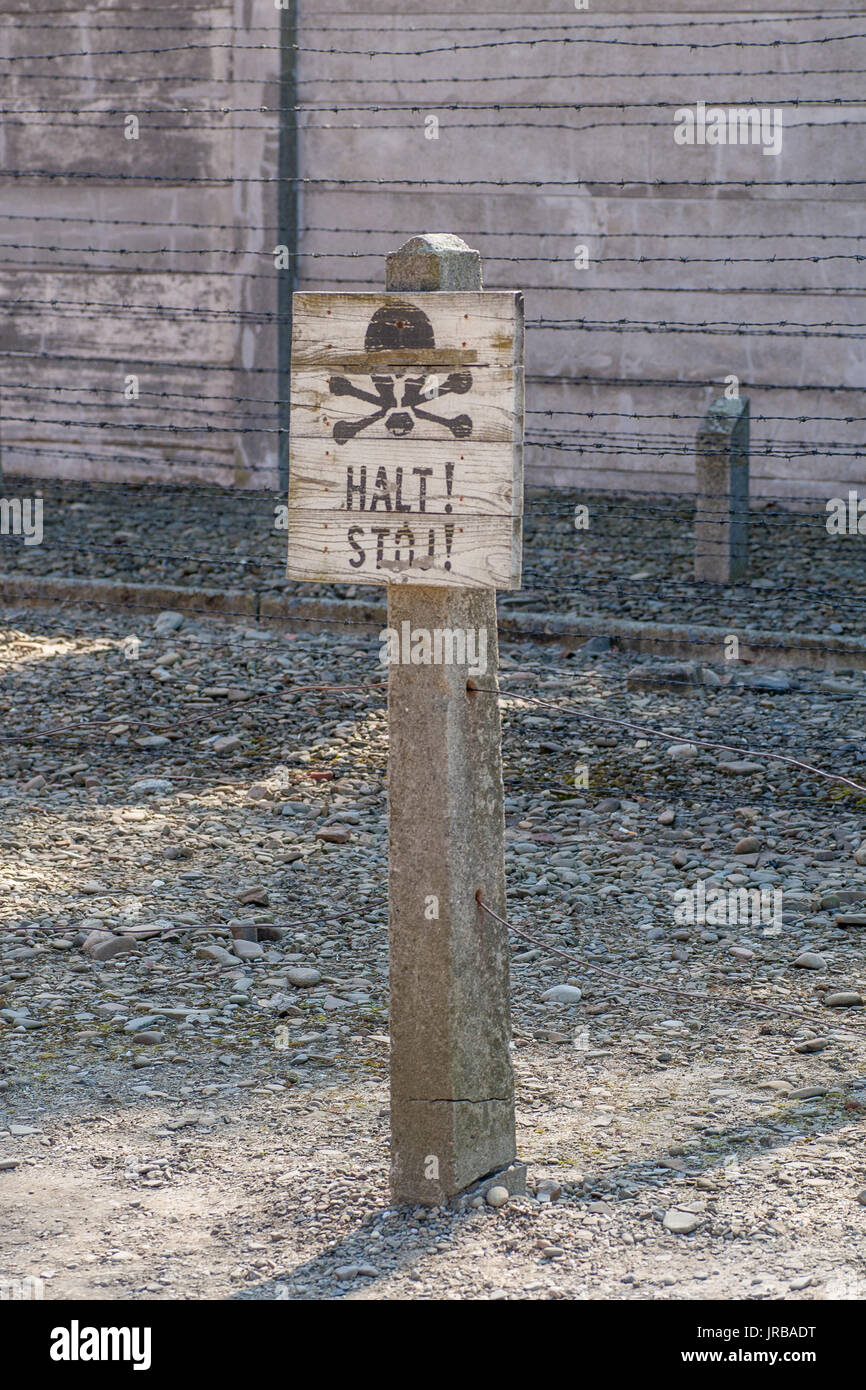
[[722, 492], [452, 1095]]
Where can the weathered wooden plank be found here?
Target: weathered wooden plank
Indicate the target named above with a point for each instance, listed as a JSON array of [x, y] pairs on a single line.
[[429, 548], [439, 331], [488, 398], [384, 478], [407, 465]]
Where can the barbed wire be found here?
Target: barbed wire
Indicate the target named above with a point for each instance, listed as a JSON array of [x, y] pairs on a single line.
[[585, 25], [303, 255], [583, 39], [731, 1000], [352, 185]]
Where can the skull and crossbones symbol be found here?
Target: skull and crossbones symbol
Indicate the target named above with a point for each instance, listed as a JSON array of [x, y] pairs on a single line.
[[399, 326]]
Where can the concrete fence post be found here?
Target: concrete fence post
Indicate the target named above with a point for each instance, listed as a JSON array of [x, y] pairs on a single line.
[[452, 1094], [722, 492]]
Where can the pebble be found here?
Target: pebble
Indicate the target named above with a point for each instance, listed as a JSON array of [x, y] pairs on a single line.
[[167, 621], [256, 896], [496, 1196], [813, 1045], [843, 1000], [333, 835], [750, 844], [807, 1093], [152, 786], [562, 994], [107, 947], [682, 752], [215, 953], [149, 1037], [682, 1223], [227, 743], [356, 1272], [304, 977], [810, 960], [248, 950]]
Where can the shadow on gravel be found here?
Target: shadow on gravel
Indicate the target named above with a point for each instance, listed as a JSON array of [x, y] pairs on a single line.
[[319, 1278]]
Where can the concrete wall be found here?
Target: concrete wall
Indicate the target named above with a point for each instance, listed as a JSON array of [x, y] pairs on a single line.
[[183, 172], [616, 451], [539, 226]]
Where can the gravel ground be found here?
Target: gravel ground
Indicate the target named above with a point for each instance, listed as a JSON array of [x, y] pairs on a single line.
[[203, 1117], [634, 561]]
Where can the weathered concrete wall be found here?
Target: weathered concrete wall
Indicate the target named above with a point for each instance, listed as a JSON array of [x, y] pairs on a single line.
[[81, 251], [540, 226], [615, 450]]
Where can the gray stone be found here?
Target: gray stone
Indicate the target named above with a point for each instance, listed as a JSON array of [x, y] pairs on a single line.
[[227, 743], [682, 1223], [248, 950], [810, 960], [168, 621], [682, 752], [750, 844], [333, 835], [152, 786], [496, 1196], [562, 994], [149, 1037], [303, 976], [106, 947], [843, 999], [215, 953]]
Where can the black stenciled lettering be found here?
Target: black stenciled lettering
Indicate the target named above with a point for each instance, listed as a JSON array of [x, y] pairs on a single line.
[[361, 554], [360, 488], [404, 531], [380, 532], [382, 491], [401, 506], [422, 475]]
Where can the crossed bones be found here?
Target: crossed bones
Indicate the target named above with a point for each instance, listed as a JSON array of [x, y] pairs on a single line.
[[401, 421]]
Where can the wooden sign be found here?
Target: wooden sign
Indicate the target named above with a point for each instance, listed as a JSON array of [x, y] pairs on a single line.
[[406, 441]]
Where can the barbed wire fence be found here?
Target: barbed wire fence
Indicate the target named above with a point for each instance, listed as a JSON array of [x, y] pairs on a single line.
[[189, 289]]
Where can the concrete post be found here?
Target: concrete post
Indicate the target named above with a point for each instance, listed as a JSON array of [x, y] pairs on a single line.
[[452, 1093], [722, 492]]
